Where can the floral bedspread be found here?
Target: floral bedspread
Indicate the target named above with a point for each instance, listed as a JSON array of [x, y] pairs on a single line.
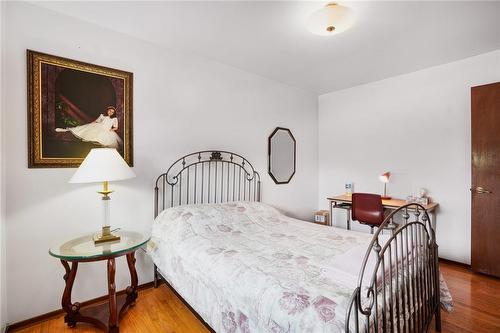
[[245, 267]]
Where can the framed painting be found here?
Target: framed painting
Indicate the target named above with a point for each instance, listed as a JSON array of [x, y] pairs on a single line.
[[74, 107]]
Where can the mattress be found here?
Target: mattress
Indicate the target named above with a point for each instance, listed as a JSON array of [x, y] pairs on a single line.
[[245, 267]]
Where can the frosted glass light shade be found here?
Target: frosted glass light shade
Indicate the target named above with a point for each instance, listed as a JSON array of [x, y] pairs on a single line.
[[330, 20], [102, 164]]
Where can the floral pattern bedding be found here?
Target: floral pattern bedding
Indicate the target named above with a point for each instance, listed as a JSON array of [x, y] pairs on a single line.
[[245, 267]]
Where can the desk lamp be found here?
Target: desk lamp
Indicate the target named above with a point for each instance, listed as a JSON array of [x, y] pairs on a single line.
[[384, 178]]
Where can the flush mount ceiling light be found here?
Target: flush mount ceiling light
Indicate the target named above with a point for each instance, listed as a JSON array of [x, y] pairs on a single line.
[[330, 20]]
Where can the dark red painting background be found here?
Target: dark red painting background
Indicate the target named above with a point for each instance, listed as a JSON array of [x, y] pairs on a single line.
[[71, 98]]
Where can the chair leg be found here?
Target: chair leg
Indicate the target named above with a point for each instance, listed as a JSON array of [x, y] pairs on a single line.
[[371, 230]]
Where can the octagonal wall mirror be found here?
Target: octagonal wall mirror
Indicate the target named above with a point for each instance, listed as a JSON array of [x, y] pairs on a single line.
[[281, 155]]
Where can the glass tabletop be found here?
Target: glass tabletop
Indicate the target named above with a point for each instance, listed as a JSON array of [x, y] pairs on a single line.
[[84, 248]]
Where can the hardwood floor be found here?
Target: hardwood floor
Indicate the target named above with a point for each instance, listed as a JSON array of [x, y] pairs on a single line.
[[476, 297], [156, 310]]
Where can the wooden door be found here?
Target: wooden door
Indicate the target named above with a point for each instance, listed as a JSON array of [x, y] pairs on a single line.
[[485, 187]]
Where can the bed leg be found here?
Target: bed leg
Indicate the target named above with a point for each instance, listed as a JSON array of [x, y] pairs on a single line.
[[155, 277], [437, 317]]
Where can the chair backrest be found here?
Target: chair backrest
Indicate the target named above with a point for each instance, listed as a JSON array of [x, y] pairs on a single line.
[[367, 208]]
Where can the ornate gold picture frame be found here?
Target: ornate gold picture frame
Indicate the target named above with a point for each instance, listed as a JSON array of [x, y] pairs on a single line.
[[73, 107]]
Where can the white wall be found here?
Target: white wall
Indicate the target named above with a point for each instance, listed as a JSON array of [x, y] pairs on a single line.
[[182, 103], [418, 127]]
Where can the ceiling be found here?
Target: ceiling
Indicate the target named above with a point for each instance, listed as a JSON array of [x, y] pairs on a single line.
[[270, 38]]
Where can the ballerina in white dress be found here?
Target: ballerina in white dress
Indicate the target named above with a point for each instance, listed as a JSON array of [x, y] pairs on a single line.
[[102, 130]]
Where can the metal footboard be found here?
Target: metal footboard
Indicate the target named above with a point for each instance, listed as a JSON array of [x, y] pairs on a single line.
[[398, 284]]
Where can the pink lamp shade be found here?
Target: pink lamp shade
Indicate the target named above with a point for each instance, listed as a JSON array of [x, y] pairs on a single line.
[[384, 178]]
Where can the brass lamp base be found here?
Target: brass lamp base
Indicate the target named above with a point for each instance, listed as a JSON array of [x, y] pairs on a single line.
[[105, 236]]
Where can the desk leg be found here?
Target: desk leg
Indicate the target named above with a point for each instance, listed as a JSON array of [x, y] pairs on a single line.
[[113, 315], [433, 220], [330, 220], [348, 211], [72, 310]]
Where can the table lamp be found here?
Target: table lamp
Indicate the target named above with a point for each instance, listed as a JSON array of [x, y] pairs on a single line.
[[384, 178], [103, 165]]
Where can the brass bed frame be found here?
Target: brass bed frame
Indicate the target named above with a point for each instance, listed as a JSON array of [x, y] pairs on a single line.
[[401, 293]]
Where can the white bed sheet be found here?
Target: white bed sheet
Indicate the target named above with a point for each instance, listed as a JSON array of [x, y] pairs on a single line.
[[245, 267]]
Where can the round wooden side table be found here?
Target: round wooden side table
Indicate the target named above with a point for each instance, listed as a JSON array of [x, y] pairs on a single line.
[[82, 249]]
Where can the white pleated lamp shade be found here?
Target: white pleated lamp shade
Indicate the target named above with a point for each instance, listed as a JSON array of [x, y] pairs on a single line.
[[330, 20], [102, 164]]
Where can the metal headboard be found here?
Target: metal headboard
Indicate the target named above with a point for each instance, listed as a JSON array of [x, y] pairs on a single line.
[[209, 176]]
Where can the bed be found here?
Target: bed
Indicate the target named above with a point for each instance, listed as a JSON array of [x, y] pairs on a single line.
[[242, 266]]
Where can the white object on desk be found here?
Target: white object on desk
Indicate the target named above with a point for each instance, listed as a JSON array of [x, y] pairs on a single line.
[[348, 188]]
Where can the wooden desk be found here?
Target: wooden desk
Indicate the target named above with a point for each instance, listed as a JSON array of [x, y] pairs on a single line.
[[345, 202]]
